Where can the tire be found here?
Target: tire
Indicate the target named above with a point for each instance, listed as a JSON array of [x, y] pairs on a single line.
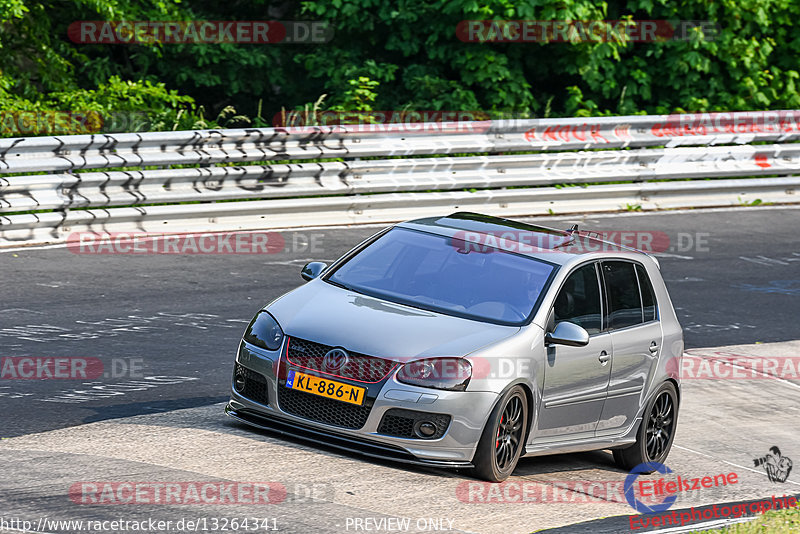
[[656, 432], [501, 442]]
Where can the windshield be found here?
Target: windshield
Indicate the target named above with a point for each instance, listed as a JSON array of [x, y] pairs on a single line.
[[436, 273]]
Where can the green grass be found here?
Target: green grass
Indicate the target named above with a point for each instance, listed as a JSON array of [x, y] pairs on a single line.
[[772, 522]]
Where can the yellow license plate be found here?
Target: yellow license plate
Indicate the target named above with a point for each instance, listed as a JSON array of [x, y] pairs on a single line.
[[323, 387]]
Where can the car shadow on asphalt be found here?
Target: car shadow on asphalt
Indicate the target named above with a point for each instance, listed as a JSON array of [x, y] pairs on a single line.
[[562, 463], [527, 468]]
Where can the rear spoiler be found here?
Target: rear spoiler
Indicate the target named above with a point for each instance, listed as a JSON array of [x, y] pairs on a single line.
[[595, 236]]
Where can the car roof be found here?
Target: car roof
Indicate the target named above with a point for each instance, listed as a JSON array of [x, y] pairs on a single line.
[[548, 244]]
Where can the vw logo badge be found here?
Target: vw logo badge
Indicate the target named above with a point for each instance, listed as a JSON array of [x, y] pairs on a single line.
[[334, 359]]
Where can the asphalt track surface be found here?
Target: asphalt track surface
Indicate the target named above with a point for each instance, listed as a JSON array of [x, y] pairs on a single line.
[[182, 316], [175, 321], [723, 426]]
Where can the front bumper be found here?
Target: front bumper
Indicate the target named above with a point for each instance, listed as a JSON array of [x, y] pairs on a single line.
[[366, 447], [469, 412]]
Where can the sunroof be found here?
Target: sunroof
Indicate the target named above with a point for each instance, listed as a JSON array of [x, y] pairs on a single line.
[[501, 228], [485, 223]]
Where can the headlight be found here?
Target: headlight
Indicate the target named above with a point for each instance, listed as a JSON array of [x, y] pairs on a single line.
[[264, 331], [438, 373]]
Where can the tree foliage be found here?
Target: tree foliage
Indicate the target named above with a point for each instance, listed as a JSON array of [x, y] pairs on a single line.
[[399, 55]]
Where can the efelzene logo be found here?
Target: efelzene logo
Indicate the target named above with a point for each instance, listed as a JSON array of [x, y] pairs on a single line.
[[630, 482]]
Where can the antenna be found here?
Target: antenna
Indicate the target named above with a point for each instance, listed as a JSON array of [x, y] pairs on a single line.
[[571, 233]]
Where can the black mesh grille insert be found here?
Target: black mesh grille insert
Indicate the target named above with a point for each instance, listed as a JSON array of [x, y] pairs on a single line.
[[322, 410], [253, 385], [358, 367], [400, 423]]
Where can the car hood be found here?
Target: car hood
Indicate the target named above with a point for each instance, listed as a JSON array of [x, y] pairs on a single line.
[[321, 312]]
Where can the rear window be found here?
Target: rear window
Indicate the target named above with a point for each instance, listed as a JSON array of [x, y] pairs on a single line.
[[648, 295]]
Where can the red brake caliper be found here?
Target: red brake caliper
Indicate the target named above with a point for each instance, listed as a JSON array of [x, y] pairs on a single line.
[[497, 440]]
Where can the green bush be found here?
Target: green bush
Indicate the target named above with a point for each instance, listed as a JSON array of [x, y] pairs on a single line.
[[384, 57]]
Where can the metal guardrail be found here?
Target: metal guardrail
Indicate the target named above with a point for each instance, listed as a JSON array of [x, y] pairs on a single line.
[[173, 181]]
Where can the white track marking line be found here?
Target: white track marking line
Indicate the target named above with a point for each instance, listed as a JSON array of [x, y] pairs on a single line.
[[719, 523], [33, 247]]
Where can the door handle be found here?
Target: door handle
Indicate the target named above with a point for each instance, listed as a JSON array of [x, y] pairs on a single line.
[[653, 347], [603, 358]]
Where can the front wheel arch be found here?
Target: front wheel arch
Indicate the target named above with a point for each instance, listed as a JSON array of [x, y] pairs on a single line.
[[484, 459], [531, 416], [531, 407]]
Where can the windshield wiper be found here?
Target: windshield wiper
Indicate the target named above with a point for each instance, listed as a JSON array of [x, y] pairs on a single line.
[[343, 286]]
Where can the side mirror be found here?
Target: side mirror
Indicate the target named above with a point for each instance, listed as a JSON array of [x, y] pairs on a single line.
[[568, 334], [312, 270]]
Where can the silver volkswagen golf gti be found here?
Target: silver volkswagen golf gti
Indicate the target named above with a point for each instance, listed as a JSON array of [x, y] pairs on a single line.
[[470, 341]]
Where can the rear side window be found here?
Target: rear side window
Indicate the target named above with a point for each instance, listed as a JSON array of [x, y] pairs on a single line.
[[648, 295], [622, 289]]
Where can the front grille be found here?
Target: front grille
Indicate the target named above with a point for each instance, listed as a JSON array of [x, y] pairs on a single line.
[[359, 367], [322, 410], [400, 423], [254, 384]]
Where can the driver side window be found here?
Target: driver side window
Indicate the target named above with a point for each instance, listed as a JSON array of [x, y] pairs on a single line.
[[579, 300]]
